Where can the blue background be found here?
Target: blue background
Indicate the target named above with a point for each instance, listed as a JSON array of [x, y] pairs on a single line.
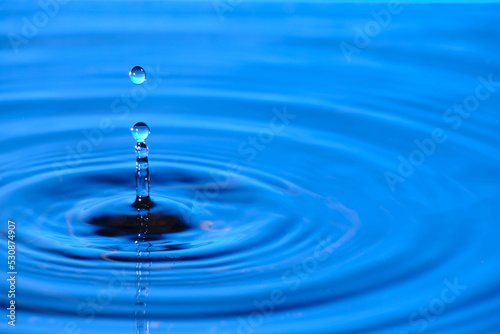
[[336, 165]]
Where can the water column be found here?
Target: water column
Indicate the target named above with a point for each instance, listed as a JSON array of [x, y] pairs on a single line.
[[143, 202], [140, 131], [143, 268]]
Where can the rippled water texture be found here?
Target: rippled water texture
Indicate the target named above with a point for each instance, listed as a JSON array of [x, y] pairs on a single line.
[[316, 168]]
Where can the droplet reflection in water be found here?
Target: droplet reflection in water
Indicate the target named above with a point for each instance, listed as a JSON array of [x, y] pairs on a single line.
[[137, 75], [118, 218]]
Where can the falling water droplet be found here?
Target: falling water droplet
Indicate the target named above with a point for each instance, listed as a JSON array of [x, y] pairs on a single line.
[[140, 131], [137, 75]]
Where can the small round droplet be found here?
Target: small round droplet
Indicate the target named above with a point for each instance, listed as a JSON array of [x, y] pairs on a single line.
[[137, 75], [140, 131]]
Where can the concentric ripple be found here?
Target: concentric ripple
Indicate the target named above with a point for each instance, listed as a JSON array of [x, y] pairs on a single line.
[[269, 168]]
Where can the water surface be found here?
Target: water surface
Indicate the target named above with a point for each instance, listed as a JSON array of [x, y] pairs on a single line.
[[301, 188]]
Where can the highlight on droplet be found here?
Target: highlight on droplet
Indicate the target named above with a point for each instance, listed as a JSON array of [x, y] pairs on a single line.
[[137, 75], [140, 131]]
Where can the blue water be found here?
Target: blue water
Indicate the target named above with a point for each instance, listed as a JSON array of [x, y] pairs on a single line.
[[314, 170]]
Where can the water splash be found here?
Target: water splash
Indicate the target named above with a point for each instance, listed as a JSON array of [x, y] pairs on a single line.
[[140, 131]]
